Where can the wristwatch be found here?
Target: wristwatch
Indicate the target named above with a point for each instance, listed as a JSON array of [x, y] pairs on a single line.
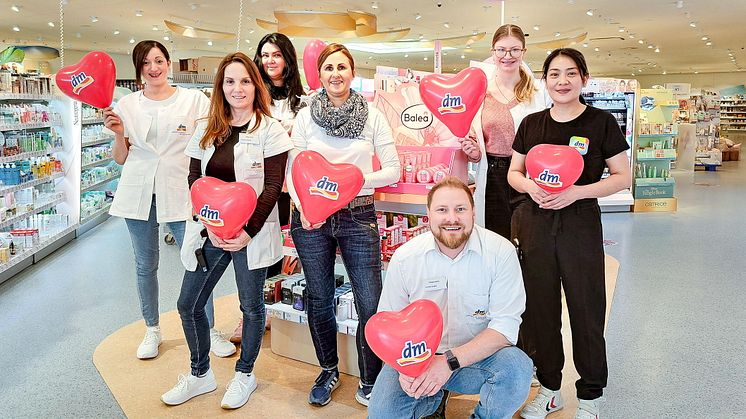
[[453, 363]]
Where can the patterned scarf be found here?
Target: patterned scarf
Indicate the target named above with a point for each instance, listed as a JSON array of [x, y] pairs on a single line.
[[346, 121]]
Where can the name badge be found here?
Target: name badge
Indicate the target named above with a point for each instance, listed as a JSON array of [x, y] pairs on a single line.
[[246, 138], [436, 284], [580, 144], [181, 129]]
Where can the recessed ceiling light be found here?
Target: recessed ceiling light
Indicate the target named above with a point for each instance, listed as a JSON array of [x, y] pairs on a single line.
[[421, 36], [650, 47], [132, 40], [15, 8], [51, 24], [166, 38], [209, 43], [425, 58], [585, 45], [94, 19], [248, 41], [708, 43], [596, 49], [696, 72], [374, 5], [621, 29], [16, 29], [693, 24], [589, 12], [116, 31], [446, 25], [474, 33], [704, 38], [557, 34], [138, 13], [640, 42], [549, 52], [463, 56], [406, 55], [251, 31], [663, 73], [417, 16], [536, 27], [155, 27], [657, 49]]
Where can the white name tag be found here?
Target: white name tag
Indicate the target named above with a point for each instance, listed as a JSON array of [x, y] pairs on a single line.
[[435, 284], [246, 138]]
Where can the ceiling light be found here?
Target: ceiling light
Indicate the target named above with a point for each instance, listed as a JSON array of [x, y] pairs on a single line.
[[374, 5], [407, 56], [650, 47], [370, 57], [421, 36], [631, 36], [425, 58], [15, 8], [696, 72], [596, 49], [209, 43], [463, 56], [663, 73], [417, 16], [640, 42], [657, 49], [708, 43], [679, 4], [51, 24], [166, 38], [155, 27], [474, 33], [248, 41], [704, 38], [549, 52], [693, 24], [138, 13], [557, 34], [94, 19], [132, 40], [116, 31], [446, 25], [251, 31], [536, 27], [589, 12], [585, 45], [16, 29], [621, 29]]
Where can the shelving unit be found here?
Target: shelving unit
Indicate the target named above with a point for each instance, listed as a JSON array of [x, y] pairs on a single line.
[[96, 163], [733, 113], [40, 147]]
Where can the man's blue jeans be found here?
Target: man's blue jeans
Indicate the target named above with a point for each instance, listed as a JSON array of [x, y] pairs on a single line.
[[355, 231], [196, 290], [145, 241], [502, 380]]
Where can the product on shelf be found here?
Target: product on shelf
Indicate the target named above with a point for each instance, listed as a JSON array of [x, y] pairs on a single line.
[[24, 83], [27, 113]]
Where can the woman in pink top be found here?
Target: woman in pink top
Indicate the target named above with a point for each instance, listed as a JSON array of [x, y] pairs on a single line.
[[512, 93]]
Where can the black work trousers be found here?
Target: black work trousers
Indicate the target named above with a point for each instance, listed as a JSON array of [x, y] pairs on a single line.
[[499, 197], [563, 250]]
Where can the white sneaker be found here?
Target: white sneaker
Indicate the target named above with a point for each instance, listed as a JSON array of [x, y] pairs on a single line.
[[587, 409], [219, 345], [545, 402], [238, 390], [149, 346], [188, 387], [534, 380]]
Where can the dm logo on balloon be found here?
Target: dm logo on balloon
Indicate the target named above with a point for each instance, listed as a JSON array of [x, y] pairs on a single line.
[[451, 104], [549, 179], [414, 354], [210, 216], [325, 188], [80, 81]]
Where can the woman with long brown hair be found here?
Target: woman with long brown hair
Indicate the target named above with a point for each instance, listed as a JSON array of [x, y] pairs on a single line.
[[239, 142]]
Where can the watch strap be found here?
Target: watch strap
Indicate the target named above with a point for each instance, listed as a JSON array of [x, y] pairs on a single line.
[[453, 363]]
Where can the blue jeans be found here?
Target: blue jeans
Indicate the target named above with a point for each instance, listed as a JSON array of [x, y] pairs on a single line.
[[355, 231], [145, 241], [196, 291], [502, 380]]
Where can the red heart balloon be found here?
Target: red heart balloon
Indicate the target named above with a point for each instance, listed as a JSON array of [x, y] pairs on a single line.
[[554, 167], [223, 207], [91, 80], [454, 100], [324, 188], [406, 339], [310, 56]]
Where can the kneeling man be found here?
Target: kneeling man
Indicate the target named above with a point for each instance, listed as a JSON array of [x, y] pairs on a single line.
[[473, 275]]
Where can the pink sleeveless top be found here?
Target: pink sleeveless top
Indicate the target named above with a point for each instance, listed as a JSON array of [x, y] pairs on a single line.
[[498, 127]]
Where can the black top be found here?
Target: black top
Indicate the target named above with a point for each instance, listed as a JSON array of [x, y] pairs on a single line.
[[605, 137], [221, 166]]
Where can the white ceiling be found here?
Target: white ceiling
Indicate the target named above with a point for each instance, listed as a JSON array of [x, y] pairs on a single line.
[[658, 23]]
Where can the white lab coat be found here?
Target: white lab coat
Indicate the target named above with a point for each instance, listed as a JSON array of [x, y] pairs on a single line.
[[160, 170], [540, 101], [270, 139]]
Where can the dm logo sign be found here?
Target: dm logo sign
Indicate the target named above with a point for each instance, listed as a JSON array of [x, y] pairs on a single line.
[[210, 217], [325, 188], [417, 117], [549, 179], [451, 104], [414, 353], [80, 81]]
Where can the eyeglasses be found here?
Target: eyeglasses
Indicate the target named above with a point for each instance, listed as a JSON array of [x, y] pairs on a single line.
[[514, 52]]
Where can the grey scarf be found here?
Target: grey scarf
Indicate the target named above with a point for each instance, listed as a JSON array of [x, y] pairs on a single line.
[[346, 121]]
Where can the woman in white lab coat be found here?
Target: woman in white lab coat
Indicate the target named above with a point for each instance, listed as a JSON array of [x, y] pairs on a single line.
[[152, 128]]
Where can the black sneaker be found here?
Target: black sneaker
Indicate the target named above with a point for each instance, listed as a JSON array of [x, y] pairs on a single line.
[[321, 392], [363, 394]]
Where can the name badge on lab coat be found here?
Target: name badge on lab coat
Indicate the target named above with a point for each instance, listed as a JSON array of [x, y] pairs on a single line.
[[436, 284], [247, 138]]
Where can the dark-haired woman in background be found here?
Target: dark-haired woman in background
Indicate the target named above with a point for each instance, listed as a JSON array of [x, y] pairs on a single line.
[[561, 238], [151, 129]]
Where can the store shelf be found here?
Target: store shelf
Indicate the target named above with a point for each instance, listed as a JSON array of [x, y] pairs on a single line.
[[20, 217], [99, 212], [618, 202], [29, 184], [38, 125], [288, 313], [27, 96], [104, 140], [29, 155], [31, 252], [92, 121], [97, 184], [101, 162], [401, 203]]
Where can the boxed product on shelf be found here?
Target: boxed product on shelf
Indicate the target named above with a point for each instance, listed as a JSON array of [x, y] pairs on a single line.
[[649, 188], [432, 163]]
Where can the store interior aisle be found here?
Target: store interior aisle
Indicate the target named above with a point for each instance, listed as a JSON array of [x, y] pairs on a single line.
[[674, 335]]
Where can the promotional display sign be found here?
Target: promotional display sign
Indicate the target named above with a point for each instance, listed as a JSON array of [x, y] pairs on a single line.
[[90, 81], [324, 188], [224, 208], [554, 167], [406, 339]]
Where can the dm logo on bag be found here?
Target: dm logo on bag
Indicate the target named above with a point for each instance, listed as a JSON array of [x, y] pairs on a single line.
[[325, 188], [548, 178], [210, 217], [80, 81], [414, 354], [451, 104]]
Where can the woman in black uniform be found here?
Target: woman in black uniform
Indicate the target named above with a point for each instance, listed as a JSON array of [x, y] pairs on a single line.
[[560, 236]]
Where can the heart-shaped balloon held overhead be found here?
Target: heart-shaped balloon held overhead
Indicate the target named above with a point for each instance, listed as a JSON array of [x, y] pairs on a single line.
[[224, 208], [310, 56], [554, 167], [406, 339], [324, 188], [90, 81], [455, 100]]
